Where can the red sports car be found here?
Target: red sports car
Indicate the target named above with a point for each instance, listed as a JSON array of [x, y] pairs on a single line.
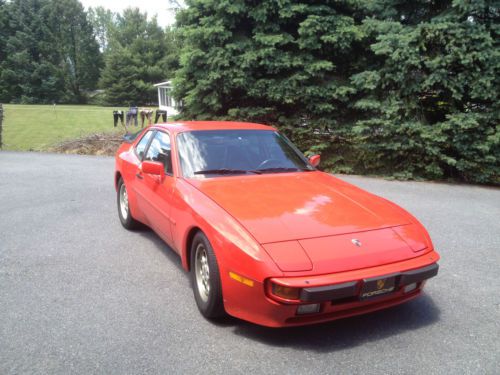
[[266, 236]]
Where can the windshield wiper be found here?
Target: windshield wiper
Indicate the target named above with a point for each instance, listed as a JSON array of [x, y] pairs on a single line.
[[225, 171], [282, 169]]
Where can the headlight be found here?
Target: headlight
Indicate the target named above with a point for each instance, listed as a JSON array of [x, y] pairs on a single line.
[[282, 293]]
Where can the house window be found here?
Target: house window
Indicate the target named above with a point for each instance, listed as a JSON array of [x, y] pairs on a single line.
[[166, 99], [162, 97]]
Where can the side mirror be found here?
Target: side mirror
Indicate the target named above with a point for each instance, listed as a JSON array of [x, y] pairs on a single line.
[[314, 160], [152, 167]]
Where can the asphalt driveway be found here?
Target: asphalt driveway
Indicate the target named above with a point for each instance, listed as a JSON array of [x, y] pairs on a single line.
[[79, 294]]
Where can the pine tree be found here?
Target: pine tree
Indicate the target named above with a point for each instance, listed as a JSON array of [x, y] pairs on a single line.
[[30, 71], [120, 77], [429, 105], [133, 60], [4, 29], [402, 88], [49, 52]]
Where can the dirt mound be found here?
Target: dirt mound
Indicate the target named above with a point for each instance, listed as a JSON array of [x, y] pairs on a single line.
[[94, 144]]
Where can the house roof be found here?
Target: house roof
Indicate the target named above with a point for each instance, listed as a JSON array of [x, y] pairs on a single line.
[[161, 84]]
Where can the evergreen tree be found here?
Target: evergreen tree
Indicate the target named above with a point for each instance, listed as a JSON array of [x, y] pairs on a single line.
[[29, 73], [428, 105], [4, 29], [121, 78], [284, 63], [49, 54], [408, 88], [133, 59], [170, 61]]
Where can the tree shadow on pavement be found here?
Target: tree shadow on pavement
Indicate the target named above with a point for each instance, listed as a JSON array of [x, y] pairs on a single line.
[[346, 333]]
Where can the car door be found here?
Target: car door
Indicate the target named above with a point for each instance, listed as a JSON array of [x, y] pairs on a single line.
[[154, 193]]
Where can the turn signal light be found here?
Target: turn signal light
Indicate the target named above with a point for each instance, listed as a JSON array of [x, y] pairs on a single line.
[[241, 279], [286, 292]]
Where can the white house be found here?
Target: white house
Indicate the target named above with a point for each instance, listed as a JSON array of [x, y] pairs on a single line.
[[166, 102]]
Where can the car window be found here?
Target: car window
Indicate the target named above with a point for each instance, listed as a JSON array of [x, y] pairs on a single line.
[[141, 146], [159, 150], [222, 152]]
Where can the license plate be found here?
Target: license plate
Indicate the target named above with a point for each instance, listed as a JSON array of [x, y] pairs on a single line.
[[377, 287]]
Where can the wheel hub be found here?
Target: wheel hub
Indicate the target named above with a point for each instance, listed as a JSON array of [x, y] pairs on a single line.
[[123, 201], [202, 272]]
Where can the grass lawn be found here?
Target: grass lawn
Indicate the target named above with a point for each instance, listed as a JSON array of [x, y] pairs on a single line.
[[37, 127]]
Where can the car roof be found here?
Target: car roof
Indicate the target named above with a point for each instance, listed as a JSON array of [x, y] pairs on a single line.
[[181, 126]]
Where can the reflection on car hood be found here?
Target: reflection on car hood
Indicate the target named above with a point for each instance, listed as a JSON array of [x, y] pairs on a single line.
[[292, 206]]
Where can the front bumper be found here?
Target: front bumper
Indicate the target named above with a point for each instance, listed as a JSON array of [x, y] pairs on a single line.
[[351, 289], [339, 294]]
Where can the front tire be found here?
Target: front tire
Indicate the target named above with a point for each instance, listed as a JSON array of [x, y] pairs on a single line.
[[124, 214], [205, 278]]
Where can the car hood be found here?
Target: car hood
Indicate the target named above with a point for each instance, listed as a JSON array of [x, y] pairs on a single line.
[[298, 206]]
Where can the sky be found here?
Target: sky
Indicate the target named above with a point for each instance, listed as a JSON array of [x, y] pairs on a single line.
[[152, 7]]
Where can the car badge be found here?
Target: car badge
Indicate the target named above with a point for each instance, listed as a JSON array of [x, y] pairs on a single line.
[[356, 242], [380, 284]]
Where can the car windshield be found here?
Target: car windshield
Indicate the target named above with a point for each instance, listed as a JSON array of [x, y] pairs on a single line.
[[235, 152]]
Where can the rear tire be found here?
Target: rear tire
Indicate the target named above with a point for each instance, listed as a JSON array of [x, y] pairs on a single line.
[[205, 278], [124, 214]]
